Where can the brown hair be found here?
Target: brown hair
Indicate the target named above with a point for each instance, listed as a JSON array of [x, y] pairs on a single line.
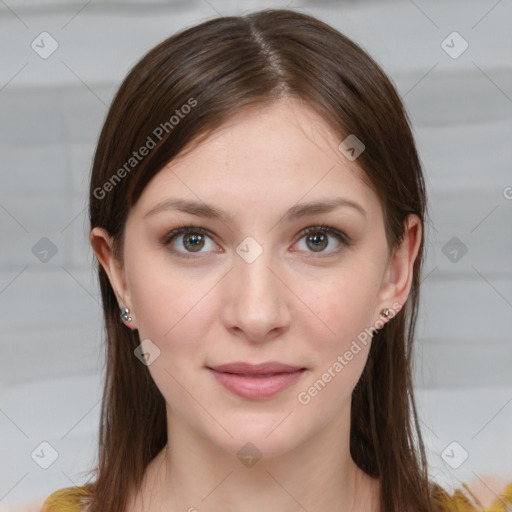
[[218, 68]]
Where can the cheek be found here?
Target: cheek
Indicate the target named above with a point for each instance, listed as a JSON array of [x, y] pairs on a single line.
[[339, 342], [343, 306], [171, 307], [338, 330], [173, 311]]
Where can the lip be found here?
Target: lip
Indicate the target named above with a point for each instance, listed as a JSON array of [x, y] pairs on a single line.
[[256, 381], [243, 368]]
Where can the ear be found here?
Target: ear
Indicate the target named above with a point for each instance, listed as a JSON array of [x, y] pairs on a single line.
[[399, 274], [101, 242]]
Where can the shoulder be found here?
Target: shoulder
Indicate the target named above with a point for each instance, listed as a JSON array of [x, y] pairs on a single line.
[[488, 494], [70, 499]]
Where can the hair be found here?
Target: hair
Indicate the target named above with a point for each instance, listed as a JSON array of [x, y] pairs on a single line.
[[218, 69]]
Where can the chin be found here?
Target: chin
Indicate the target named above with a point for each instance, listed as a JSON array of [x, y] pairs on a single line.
[[261, 439]]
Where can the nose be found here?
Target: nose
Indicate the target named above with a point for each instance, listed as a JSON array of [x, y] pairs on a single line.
[[257, 307]]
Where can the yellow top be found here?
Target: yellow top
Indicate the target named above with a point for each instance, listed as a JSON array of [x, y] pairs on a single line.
[[459, 502], [72, 499]]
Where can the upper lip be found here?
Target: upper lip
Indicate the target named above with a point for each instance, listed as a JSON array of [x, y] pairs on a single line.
[[255, 369]]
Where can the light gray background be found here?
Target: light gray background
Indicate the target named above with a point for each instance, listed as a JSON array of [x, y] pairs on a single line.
[[51, 113]]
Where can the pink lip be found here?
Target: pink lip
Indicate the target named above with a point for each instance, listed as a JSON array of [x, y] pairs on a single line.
[[256, 381]]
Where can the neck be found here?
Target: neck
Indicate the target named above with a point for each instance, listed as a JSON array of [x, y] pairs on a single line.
[[191, 475]]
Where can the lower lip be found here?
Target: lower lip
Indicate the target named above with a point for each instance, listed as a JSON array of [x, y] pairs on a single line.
[[257, 387]]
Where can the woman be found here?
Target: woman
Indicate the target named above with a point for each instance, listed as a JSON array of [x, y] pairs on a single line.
[[257, 209]]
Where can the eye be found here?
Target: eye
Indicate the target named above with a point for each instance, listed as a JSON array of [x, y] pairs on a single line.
[[194, 238], [317, 238]]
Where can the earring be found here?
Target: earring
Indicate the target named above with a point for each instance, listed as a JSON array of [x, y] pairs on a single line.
[[385, 313], [125, 315]]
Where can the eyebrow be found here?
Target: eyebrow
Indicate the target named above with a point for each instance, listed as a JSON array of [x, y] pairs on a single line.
[[298, 211]]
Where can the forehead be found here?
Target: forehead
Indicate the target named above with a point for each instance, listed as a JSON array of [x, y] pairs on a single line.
[[267, 157]]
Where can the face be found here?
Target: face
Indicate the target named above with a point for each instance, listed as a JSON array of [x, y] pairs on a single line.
[[252, 286]]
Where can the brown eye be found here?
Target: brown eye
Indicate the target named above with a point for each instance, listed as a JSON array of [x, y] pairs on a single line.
[[317, 239], [193, 240]]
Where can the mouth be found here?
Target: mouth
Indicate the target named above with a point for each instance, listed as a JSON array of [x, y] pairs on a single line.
[[256, 381]]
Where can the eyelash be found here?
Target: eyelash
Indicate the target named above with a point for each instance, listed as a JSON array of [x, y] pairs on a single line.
[[327, 230]]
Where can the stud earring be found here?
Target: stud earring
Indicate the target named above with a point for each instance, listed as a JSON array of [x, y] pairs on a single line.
[[125, 315], [385, 313]]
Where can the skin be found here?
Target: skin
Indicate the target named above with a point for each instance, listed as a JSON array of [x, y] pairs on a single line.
[[291, 304]]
